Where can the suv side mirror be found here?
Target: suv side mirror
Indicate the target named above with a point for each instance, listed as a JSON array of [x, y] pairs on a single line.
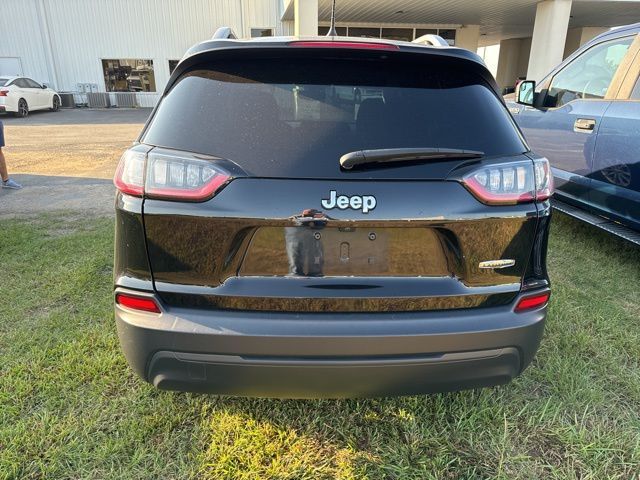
[[525, 92]]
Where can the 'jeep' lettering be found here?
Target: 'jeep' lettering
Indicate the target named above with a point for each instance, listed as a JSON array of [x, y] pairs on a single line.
[[366, 203]]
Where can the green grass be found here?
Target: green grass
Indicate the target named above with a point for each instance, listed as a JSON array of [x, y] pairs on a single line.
[[71, 408]]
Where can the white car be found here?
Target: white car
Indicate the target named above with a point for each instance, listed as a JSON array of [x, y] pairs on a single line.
[[20, 95]]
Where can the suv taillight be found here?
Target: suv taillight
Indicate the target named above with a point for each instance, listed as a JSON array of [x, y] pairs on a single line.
[[511, 183], [544, 178], [4, 93], [129, 177], [168, 176]]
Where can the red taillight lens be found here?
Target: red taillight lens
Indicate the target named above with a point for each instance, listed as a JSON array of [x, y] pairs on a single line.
[[171, 176], [4, 93], [129, 177], [134, 302], [511, 183], [534, 301], [355, 45], [168, 176]]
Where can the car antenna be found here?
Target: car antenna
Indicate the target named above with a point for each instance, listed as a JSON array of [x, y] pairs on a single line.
[[332, 29]]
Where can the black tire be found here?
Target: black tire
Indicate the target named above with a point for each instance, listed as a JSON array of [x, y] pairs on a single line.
[[56, 104], [23, 108]]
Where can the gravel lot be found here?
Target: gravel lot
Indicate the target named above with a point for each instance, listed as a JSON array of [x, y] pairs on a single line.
[[66, 160]]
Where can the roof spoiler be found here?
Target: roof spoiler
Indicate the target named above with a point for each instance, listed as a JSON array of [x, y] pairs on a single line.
[[433, 40], [224, 33]]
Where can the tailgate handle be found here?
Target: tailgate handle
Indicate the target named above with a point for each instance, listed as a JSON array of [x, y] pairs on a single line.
[[585, 125]]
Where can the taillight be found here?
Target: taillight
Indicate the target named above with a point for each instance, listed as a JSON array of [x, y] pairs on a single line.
[[135, 302], [182, 178], [511, 183], [169, 176], [544, 178], [338, 44], [4, 93], [129, 177], [533, 301]]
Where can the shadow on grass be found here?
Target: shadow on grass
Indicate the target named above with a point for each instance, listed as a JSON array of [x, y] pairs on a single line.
[[587, 237]]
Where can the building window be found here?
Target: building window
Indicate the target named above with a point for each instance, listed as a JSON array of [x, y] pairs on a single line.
[[426, 31], [172, 65], [364, 32], [261, 32], [405, 34], [392, 33], [341, 31], [128, 75], [448, 34]]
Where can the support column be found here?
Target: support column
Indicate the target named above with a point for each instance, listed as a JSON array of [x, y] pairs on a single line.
[[549, 36], [305, 17], [576, 37], [508, 60], [467, 37]]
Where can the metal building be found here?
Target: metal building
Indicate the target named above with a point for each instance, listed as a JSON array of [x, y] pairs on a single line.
[[132, 45]]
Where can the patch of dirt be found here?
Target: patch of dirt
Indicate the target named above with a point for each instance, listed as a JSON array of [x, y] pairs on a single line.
[[64, 167]]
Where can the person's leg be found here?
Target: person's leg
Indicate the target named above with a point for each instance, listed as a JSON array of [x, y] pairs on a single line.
[[4, 174], [3, 163], [3, 167]]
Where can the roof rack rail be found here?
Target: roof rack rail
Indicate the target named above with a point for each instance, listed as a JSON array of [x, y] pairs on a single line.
[[223, 32], [433, 40]]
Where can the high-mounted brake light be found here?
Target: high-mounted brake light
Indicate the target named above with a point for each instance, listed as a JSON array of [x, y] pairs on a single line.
[[168, 176], [511, 183], [533, 301], [134, 302], [338, 44]]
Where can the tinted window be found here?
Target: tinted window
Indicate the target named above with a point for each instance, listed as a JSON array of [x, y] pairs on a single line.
[[405, 34], [449, 35], [297, 117], [588, 75], [341, 31], [3, 81], [21, 82], [261, 32], [32, 84], [364, 32], [426, 31]]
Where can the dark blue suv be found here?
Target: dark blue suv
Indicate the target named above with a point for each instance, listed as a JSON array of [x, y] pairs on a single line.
[[585, 118]]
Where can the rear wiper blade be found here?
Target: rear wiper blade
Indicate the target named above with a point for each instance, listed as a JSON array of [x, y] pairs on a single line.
[[391, 155]]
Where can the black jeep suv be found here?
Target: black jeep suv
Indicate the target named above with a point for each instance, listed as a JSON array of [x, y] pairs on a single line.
[[330, 217]]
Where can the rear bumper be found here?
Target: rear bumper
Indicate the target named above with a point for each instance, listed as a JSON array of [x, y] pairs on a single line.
[[271, 354], [6, 105]]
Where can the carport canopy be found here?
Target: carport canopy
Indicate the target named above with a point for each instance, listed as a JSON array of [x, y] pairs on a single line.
[[534, 36]]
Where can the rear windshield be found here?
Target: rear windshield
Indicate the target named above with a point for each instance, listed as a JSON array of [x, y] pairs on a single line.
[[296, 117], [3, 81]]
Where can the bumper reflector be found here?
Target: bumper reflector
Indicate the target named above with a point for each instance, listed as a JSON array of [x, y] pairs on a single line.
[[133, 302], [534, 301]]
